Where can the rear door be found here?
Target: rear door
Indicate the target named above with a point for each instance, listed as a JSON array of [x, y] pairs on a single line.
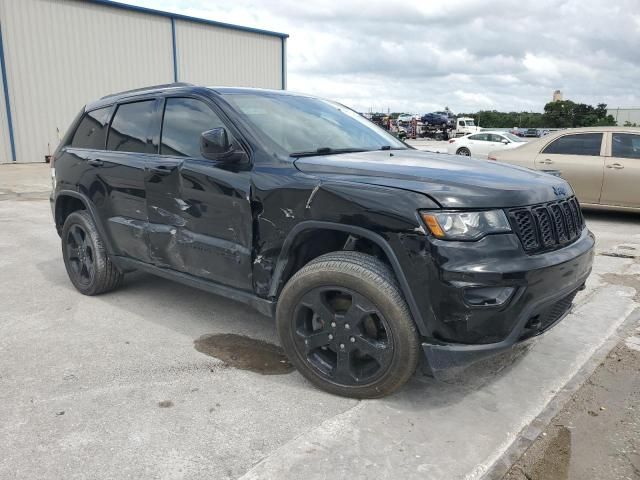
[[199, 210], [121, 174], [579, 157], [622, 171], [479, 144]]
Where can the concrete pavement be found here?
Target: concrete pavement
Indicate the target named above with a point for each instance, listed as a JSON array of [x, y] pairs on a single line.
[[112, 386]]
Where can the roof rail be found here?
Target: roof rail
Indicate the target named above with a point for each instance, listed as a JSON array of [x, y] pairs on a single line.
[[152, 87]]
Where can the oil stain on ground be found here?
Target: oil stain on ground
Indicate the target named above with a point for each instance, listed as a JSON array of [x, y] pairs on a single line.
[[245, 353]]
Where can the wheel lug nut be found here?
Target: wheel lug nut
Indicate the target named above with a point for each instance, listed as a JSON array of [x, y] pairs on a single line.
[[333, 324], [347, 326], [330, 337], [342, 346], [352, 339]]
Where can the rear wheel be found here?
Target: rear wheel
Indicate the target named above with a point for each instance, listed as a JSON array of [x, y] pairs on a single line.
[[464, 152], [346, 327], [88, 266]]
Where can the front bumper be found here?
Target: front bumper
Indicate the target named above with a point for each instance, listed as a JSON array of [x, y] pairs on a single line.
[[544, 287]]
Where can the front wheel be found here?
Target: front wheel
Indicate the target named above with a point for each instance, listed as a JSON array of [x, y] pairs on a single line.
[[464, 152], [345, 325]]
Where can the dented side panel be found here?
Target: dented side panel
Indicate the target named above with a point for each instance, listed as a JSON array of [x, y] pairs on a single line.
[[287, 197], [200, 219]]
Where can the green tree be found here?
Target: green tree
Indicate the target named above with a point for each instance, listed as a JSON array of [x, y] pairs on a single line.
[[566, 114]]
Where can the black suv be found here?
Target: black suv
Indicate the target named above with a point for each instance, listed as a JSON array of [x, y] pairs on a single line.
[[365, 250]]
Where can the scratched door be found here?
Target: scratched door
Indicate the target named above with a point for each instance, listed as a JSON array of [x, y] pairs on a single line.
[[199, 210]]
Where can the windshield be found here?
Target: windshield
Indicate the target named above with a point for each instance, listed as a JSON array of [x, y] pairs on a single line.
[[512, 137], [470, 123], [300, 124]]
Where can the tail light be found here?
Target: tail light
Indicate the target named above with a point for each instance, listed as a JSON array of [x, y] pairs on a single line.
[[453, 140], [491, 157]]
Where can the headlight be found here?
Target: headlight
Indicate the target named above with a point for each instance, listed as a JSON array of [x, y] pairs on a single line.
[[465, 225]]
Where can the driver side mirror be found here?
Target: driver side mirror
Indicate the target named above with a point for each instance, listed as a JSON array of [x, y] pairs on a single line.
[[214, 145], [505, 141]]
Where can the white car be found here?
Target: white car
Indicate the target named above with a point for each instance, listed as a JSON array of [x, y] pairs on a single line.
[[480, 144], [405, 118]]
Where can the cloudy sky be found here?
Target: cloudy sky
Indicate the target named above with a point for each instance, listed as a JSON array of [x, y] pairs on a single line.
[[423, 55]]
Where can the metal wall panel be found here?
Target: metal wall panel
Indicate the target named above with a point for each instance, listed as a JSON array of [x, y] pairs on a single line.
[[61, 54], [210, 55], [5, 143], [623, 115]]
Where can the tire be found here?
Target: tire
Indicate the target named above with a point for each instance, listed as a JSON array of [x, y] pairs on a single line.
[[363, 343], [87, 263], [464, 152]]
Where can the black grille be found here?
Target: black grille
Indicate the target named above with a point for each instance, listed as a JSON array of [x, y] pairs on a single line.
[[547, 226]]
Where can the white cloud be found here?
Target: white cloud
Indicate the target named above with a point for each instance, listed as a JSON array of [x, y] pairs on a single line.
[[467, 54]]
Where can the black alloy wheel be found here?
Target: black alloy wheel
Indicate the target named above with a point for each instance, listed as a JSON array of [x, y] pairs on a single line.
[[89, 267], [343, 335], [80, 255], [345, 325]]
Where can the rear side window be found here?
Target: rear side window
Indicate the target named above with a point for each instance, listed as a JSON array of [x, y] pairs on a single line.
[[578, 144], [482, 137], [129, 130], [183, 123], [625, 145], [92, 131]]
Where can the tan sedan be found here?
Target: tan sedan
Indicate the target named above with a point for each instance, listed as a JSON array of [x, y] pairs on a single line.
[[602, 164]]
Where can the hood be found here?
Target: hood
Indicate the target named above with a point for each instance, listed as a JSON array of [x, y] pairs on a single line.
[[452, 181]]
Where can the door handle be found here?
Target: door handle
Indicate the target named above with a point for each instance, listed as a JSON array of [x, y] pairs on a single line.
[[162, 170], [546, 161], [96, 162], [617, 166]]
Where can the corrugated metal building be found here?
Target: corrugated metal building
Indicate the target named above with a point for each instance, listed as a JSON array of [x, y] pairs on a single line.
[[57, 55], [625, 115]]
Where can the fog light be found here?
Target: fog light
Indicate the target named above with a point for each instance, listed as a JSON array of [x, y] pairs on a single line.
[[488, 296]]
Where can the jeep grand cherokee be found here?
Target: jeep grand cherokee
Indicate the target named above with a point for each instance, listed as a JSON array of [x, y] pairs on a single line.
[[366, 251]]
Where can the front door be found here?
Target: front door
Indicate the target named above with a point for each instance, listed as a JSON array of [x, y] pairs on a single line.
[[579, 157], [622, 171], [200, 220]]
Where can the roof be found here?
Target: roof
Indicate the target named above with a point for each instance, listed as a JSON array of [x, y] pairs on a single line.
[[180, 87], [177, 16]]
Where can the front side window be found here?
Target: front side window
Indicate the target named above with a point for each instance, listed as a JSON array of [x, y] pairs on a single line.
[[577, 144], [299, 124], [183, 123], [129, 130], [92, 131], [625, 145], [496, 138]]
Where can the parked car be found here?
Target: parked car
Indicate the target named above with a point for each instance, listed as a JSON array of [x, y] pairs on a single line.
[[367, 252], [602, 164], [435, 119], [480, 144], [531, 132], [405, 118]]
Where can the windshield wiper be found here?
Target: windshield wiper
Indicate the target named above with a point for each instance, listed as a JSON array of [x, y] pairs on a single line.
[[327, 151]]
